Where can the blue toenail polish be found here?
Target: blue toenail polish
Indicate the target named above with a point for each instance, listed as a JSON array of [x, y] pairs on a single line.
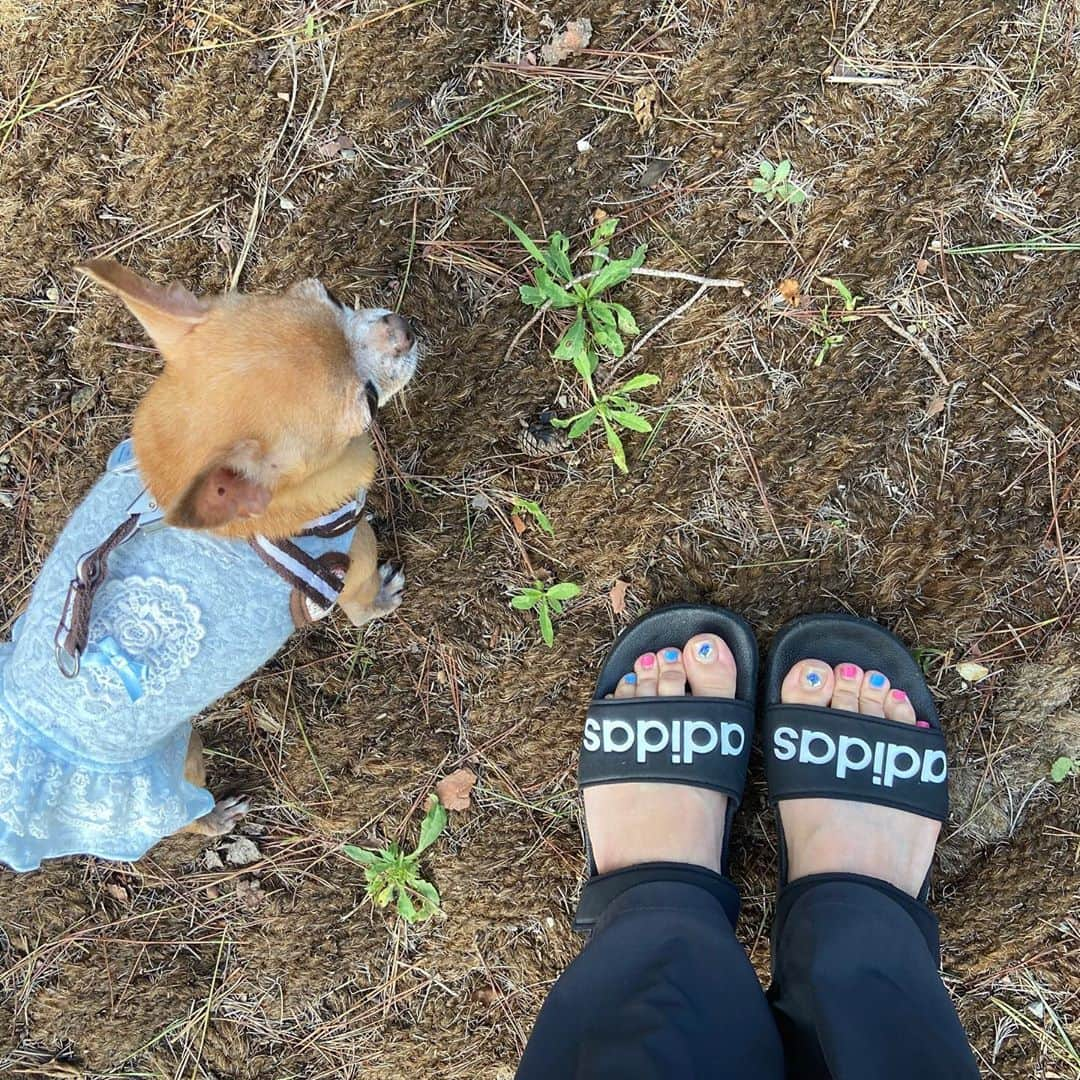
[[877, 681], [704, 650], [631, 678], [671, 655], [813, 678]]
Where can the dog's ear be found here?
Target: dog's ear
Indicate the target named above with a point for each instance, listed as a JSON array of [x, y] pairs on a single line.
[[223, 492], [167, 314]]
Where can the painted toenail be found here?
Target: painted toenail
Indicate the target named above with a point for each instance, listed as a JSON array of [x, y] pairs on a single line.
[[647, 660], [848, 671], [921, 723], [671, 655], [631, 678], [877, 681], [899, 695], [812, 678], [705, 652]]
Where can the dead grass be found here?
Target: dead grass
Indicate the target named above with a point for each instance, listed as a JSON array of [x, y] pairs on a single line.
[[926, 473]]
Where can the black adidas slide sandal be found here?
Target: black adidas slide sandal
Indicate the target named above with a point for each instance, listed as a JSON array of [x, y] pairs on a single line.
[[700, 741], [815, 752]]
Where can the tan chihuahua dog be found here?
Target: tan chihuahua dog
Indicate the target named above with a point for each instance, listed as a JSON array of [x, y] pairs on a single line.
[[230, 518]]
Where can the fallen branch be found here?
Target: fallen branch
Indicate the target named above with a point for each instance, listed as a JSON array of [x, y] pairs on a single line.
[[640, 271]]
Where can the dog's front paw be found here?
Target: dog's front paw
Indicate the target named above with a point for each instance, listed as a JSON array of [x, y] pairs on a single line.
[[391, 590], [224, 817]]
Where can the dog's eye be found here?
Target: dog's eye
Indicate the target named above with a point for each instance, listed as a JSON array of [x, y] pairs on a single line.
[[333, 299]]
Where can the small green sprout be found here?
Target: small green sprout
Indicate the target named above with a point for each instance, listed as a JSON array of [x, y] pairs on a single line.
[[772, 184], [824, 326], [530, 507], [545, 601], [1063, 768], [393, 877]]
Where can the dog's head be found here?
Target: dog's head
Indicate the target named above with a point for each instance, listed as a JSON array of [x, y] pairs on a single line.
[[263, 400]]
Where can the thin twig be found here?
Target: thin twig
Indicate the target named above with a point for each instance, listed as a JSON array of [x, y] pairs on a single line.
[[640, 271], [921, 346]]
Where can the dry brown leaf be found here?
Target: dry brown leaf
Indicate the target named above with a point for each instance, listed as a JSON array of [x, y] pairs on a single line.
[[791, 291], [599, 216], [519, 525], [617, 596], [972, 672], [117, 892], [922, 265], [454, 790], [935, 406], [573, 39], [646, 106]]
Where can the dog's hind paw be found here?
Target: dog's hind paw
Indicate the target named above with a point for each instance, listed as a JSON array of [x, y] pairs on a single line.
[[224, 817], [390, 592]]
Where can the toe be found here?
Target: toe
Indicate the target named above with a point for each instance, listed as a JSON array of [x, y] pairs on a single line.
[[847, 680], [627, 686], [872, 694], [809, 682], [672, 679], [898, 708], [645, 670], [709, 666]]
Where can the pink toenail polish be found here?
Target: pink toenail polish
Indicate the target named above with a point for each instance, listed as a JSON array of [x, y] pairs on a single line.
[[848, 671], [647, 660], [921, 723], [899, 695]]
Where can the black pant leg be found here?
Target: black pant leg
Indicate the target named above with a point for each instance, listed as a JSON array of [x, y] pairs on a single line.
[[856, 991], [662, 990]]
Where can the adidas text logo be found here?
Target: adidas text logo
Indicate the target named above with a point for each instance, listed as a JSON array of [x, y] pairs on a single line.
[[683, 739], [889, 761]]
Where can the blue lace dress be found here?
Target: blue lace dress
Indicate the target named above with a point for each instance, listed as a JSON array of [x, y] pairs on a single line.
[[95, 764]]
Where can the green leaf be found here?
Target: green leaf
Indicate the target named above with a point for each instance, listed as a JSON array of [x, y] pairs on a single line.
[[616, 272], [1061, 769], [430, 895], [585, 363], [564, 590], [531, 295], [603, 232], [559, 256], [782, 172], [630, 420], [625, 319], [760, 186], [538, 515], [547, 631], [360, 855], [385, 895], [572, 343], [434, 822], [525, 601], [524, 240], [601, 313], [796, 196], [609, 339], [405, 907], [616, 447], [554, 292], [637, 256], [639, 382], [555, 605], [766, 169], [582, 423]]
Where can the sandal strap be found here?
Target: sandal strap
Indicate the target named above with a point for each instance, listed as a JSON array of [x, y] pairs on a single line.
[[701, 741], [814, 752]]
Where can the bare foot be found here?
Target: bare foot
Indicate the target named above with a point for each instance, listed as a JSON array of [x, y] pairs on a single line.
[[838, 835], [636, 823]]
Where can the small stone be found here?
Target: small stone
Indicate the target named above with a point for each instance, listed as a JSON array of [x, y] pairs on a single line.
[[242, 852], [212, 860], [583, 146]]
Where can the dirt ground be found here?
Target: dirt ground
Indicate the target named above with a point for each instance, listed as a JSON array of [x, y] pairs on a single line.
[[925, 472]]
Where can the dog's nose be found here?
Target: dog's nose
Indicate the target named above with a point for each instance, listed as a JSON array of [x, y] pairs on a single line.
[[399, 334]]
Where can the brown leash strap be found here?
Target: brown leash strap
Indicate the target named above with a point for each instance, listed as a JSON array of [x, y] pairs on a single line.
[[91, 570]]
